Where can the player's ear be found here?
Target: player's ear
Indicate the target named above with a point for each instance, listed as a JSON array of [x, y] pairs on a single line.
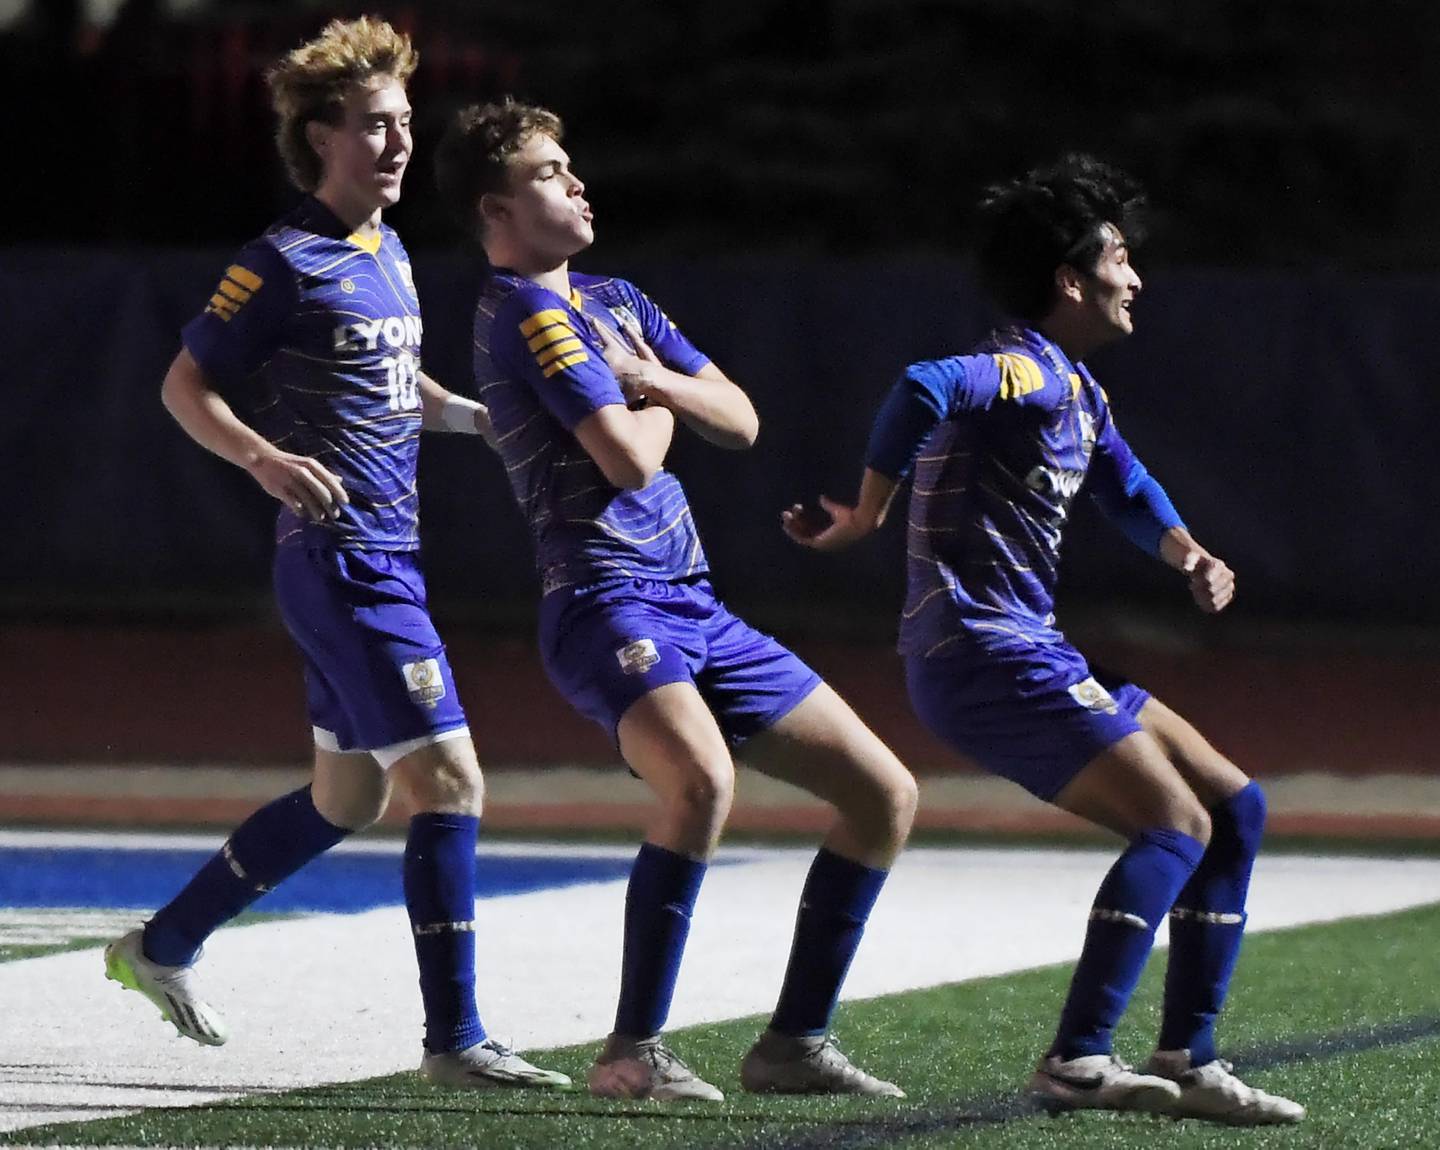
[[1070, 283], [317, 135], [493, 208]]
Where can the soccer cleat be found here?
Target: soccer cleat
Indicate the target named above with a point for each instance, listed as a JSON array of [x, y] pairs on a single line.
[[1098, 1082], [1212, 1092], [805, 1064], [489, 1065], [646, 1068], [171, 988]]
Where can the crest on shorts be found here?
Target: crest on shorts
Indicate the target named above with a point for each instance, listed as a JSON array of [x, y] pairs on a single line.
[[424, 681], [1092, 696], [638, 657]]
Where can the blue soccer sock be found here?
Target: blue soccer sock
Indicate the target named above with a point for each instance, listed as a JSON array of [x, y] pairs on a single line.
[[1136, 894], [658, 904], [267, 848], [1207, 925], [834, 905], [439, 873]]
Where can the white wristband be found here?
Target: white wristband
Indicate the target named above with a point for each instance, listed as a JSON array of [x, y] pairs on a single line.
[[458, 414]]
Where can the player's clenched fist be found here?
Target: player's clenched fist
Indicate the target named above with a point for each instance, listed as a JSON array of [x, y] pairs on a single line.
[[305, 486], [1212, 583]]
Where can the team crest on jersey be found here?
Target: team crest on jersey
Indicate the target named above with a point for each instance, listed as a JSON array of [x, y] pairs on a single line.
[[1093, 697], [638, 657], [424, 681], [1087, 431], [403, 267], [347, 286], [626, 318]]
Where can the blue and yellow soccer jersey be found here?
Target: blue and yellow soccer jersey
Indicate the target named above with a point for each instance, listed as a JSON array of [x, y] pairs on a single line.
[[1007, 437], [540, 370], [313, 336]]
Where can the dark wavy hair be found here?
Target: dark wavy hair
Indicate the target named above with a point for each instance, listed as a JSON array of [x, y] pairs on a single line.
[[1048, 217], [478, 145]]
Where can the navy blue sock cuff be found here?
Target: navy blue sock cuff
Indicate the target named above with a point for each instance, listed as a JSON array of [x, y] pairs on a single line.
[[674, 877], [843, 886], [1187, 849]]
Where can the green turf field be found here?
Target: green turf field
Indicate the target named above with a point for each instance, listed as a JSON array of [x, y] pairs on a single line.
[[1343, 1017]]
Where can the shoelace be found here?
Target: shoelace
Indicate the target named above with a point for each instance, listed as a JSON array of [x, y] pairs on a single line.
[[662, 1058]]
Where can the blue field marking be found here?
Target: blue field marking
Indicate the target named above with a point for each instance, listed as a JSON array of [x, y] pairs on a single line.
[[112, 878]]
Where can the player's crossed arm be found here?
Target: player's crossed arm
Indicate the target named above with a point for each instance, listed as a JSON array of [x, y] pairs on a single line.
[[709, 403]]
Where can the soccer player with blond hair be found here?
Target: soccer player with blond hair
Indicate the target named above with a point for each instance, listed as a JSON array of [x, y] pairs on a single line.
[[304, 369]]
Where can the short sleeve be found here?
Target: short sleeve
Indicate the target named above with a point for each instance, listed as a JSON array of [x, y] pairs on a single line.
[[666, 340], [243, 321], [536, 338]]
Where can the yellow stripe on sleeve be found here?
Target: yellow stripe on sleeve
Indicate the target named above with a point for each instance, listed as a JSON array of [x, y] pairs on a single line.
[[548, 335], [231, 290], [222, 305], [566, 361], [541, 319], [244, 277], [555, 351], [1019, 375]]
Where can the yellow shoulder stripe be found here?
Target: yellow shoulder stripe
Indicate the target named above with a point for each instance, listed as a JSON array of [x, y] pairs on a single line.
[[548, 335], [541, 319], [1075, 385], [555, 351], [244, 277], [1019, 375], [566, 361]]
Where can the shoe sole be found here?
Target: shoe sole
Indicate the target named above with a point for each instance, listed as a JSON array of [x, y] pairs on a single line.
[[1143, 1100]]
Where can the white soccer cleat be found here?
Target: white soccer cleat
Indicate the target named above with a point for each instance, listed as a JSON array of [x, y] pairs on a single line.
[[171, 988], [1212, 1092], [646, 1068], [489, 1065], [1099, 1082], [802, 1064]]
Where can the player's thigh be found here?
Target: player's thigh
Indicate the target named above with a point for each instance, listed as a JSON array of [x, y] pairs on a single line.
[[441, 776], [670, 739], [823, 747], [350, 789], [1132, 786], [1209, 774]]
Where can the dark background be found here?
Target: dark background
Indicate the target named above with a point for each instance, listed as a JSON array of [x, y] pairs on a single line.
[[793, 182]]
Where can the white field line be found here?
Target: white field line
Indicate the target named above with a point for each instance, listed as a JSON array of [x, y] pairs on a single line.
[[333, 998]]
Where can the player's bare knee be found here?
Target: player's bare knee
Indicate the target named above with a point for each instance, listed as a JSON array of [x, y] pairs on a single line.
[[442, 778], [703, 796], [1190, 818]]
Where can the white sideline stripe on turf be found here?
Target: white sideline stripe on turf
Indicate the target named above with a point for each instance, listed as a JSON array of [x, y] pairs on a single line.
[[365, 844], [333, 998]]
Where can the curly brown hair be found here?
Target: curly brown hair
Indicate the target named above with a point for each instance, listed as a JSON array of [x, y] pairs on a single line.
[[476, 150], [311, 82]]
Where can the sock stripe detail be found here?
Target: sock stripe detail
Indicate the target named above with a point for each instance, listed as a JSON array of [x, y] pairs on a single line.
[[1208, 917], [1125, 918], [239, 871], [424, 929]]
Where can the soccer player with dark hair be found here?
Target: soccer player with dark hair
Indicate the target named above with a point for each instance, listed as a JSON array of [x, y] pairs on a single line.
[[586, 380], [1001, 441], [304, 369]]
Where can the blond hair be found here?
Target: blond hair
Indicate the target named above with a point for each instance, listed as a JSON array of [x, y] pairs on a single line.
[[311, 83]]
